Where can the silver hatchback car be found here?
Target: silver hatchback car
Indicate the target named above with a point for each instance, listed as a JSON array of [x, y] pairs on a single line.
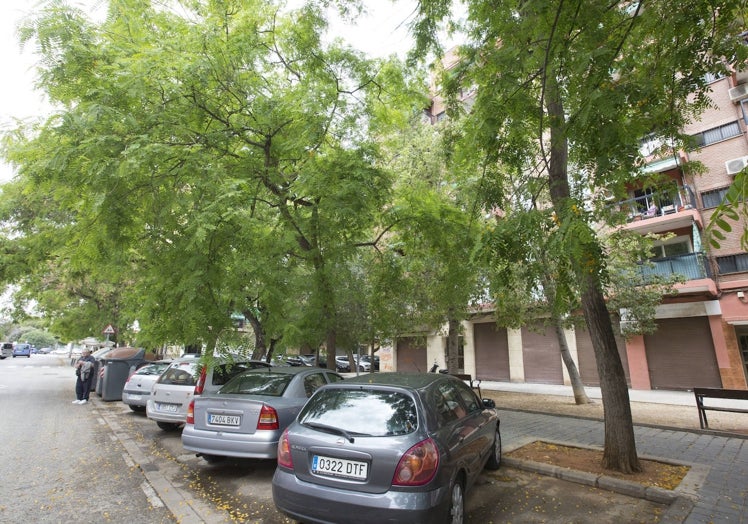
[[386, 447], [247, 416]]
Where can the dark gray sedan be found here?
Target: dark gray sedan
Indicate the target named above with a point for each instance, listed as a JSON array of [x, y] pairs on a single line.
[[386, 447], [247, 416]]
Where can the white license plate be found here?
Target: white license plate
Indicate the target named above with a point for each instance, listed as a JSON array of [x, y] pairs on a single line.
[[168, 408], [350, 469], [224, 420], [130, 396]]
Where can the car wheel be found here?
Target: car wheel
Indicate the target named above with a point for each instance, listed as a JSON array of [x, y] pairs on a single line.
[[456, 503], [213, 459], [494, 460], [168, 426], [139, 409]]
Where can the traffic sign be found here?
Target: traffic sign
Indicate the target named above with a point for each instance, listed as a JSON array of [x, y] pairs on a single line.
[[109, 330]]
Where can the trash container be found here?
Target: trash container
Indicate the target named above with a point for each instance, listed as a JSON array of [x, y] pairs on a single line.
[[118, 364]]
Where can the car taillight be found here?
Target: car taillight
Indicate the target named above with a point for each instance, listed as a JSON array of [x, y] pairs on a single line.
[[268, 418], [418, 465], [191, 413], [201, 382], [284, 452]]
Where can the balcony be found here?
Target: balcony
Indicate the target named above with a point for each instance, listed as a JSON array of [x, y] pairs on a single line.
[[692, 266], [660, 210]]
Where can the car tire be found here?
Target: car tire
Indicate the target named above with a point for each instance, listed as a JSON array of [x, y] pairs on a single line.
[[494, 459], [213, 459], [456, 514], [168, 426], [139, 409]]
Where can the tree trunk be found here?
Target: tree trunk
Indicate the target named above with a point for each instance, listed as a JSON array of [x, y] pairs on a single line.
[[580, 395], [620, 446], [453, 341]]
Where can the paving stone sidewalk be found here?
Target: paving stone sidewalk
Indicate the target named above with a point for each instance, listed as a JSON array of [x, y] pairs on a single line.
[[717, 489]]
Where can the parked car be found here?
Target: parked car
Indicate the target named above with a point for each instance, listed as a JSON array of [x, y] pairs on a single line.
[[372, 361], [386, 447], [186, 378], [22, 350], [137, 388], [246, 417], [342, 363], [305, 360], [6, 350]]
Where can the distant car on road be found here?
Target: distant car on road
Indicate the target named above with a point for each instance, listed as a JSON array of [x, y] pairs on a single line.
[[6, 350], [245, 418], [386, 447], [22, 350]]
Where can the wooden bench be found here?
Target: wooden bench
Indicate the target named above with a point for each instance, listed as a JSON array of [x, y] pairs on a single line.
[[730, 394], [475, 384]]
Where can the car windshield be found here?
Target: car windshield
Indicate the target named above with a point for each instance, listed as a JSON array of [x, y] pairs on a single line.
[[152, 369], [180, 374], [362, 412], [269, 384]]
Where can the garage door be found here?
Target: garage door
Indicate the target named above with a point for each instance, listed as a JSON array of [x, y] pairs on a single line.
[[586, 356], [541, 355], [491, 352], [680, 355], [411, 354]]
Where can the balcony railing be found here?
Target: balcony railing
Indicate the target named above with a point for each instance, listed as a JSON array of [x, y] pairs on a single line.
[[692, 266], [663, 201]]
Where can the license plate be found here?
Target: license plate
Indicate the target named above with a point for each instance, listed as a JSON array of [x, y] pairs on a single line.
[[350, 469], [224, 420], [168, 408], [134, 397]]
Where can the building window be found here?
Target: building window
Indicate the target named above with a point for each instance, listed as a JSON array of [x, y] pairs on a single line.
[[713, 77], [716, 134], [714, 197], [733, 263], [672, 248]]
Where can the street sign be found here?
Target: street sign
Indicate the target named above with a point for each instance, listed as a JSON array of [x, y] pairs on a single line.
[[109, 330]]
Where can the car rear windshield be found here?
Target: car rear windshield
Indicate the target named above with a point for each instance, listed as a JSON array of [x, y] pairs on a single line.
[[265, 383], [181, 374], [152, 369], [361, 411]]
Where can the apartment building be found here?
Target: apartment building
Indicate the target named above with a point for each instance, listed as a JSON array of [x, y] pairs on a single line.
[[702, 332]]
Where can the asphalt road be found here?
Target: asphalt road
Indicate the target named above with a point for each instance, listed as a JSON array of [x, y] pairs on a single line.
[[106, 463]]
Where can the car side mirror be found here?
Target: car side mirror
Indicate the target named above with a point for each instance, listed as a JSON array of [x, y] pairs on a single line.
[[488, 403]]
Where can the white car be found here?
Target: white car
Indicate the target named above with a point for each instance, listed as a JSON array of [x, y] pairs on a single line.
[[137, 388], [183, 380]]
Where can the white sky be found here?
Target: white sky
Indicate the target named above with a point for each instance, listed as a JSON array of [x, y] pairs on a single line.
[[381, 32]]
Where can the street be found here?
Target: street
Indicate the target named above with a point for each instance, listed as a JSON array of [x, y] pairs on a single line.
[[61, 462], [58, 461]]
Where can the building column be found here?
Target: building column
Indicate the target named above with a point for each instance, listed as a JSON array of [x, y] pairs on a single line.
[[516, 358], [638, 366]]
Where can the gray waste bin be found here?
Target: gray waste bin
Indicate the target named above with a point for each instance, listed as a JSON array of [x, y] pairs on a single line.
[[117, 367]]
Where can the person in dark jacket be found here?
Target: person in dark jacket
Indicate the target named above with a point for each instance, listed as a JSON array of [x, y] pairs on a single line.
[[84, 371]]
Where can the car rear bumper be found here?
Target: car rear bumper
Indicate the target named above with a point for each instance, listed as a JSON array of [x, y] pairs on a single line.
[[162, 416], [259, 445], [309, 502], [135, 398]]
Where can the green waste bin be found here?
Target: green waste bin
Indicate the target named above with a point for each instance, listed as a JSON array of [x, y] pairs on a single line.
[[118, 365]]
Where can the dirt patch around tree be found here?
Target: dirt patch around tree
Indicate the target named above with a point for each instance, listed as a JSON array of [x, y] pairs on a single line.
[[654, 473]]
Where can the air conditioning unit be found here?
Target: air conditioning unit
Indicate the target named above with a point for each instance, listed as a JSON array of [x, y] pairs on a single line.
[[738, 92], [736, 165]]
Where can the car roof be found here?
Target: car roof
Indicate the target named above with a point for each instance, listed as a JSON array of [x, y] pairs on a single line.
[[400, 379]]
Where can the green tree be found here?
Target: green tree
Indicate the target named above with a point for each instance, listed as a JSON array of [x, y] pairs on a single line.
[[217, 159], [565, 91]]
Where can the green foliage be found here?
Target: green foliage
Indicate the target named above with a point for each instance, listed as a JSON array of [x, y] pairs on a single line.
[[729, 212]]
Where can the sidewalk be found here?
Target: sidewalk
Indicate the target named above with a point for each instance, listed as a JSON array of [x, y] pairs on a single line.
[[715, 489]]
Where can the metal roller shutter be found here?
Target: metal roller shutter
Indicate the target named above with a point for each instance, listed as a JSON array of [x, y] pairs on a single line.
[[587, 363], [680, 355], [541, 355], [491, 352], [411, 354]]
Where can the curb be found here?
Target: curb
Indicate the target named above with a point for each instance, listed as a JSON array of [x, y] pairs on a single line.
[[185, 508]]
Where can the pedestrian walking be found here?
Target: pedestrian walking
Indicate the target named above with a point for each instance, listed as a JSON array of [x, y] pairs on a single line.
[[84, 370]]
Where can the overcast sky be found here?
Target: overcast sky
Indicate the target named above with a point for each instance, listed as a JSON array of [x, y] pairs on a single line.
[[381, 33]]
